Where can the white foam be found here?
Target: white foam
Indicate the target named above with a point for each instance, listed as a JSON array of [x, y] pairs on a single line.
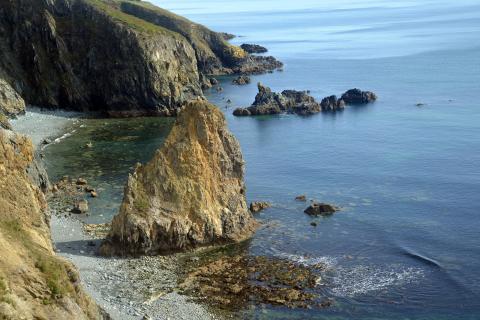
[[363, 279], [350, 281]]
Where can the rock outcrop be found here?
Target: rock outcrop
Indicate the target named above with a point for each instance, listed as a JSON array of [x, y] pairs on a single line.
[[190, 194], [120, 57], [34, 283], [357, 96], [289, 101], [253, 48], [322, 209], [241, 80], [300, 102]]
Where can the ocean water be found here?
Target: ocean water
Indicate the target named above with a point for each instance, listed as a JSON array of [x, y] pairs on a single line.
[[406, 244]]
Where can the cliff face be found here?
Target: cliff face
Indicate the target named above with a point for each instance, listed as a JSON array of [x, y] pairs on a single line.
[[122, 57], [34, 283], [190, 194]]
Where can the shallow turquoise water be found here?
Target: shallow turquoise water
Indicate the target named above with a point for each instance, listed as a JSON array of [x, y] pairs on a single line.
[[406, 245]]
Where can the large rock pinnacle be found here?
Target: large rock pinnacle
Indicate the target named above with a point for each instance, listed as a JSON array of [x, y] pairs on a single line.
[[190, 194]]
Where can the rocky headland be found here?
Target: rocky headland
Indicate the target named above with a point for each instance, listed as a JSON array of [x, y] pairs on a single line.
[[191, 194], [34, 282], [300, 102], [124, 58]]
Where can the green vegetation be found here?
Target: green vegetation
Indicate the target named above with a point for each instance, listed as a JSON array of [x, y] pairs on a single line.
[[112, 9]]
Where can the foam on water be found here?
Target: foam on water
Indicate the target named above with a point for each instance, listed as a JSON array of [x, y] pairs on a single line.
[[351, 281], [364, 279]]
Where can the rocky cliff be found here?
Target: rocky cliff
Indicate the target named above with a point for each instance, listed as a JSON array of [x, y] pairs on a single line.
[[122, 57], [34, 283], [190, 194]]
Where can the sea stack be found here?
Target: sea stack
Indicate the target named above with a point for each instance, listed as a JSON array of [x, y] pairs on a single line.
[[191, 194]]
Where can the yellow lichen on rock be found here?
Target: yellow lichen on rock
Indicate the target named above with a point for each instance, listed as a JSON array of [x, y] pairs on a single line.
[[190, 194], [34, 283]]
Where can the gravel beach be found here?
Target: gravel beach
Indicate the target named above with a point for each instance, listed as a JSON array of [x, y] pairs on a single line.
[[131, 288]]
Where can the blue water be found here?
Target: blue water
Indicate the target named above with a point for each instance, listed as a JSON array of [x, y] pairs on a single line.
[[406, 244]]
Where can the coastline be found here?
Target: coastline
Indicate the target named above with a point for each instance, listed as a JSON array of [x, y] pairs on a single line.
[[115, 284]]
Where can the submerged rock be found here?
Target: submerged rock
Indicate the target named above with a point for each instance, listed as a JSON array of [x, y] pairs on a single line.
[[253, 48], [241, 80], [357, 96], [258, 206], [301, 198], [322, 209], [190, 194]]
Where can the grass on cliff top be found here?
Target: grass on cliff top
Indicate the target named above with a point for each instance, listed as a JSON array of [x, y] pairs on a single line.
[[191, 30], [53, 270], [112, 9]]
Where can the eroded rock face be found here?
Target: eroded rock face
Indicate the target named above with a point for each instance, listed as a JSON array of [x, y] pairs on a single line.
[[11, 103], [34, 283], [190, 194], [120, 57]]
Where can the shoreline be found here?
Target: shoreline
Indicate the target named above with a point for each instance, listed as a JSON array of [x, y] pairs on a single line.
[[113, 283]]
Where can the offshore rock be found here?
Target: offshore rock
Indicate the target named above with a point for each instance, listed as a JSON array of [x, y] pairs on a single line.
[[323, 209], [241, 80], [332, 104], [34, 282], [357, 96], [300, 102], [253, 48], [289, 101], [258, 206], [190, 194]]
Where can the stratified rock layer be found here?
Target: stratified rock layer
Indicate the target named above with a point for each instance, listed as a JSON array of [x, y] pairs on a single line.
[[190, 194], [34, 283]]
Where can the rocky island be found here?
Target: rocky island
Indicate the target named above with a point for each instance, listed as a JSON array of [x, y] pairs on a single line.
[[300, 102], [191, 194]]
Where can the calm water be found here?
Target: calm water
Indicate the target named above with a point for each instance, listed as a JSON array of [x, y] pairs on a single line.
[[407, 244]]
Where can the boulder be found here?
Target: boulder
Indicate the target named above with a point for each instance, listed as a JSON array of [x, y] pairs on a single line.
[[322, 209], [81, 182], [241, 112], [80, 207], [191, 194], [258, 206], [331, 103], [253, 48], [357, 96], [241, 80], [301, 198]]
